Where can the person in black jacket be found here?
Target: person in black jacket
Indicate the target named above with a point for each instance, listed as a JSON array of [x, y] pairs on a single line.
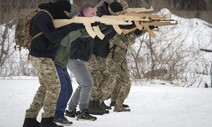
[[42, 52]]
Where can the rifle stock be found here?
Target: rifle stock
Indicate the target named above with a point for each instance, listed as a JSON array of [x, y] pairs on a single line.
[[139, 10], [107, 21], [61, 22], [147, 16]]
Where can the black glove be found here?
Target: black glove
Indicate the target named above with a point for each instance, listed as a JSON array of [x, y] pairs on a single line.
[[138, 32], [95, 24], [152, 27]]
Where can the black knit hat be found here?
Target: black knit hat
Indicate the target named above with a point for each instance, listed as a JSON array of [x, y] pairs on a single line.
[[59, 7], [116, 7]]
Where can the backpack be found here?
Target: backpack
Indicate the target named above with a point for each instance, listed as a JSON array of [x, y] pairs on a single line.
[[23, 38]]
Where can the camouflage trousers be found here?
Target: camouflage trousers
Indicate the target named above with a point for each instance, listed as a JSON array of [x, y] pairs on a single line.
[[101, 76], [122, 84], [48, 91]]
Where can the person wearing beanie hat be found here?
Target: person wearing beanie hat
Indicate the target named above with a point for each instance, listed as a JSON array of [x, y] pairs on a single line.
[[42, 52], [115, 7], [124, 4], [118, 7]]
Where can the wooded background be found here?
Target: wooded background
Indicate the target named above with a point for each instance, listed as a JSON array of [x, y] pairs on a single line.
[[9, 9]]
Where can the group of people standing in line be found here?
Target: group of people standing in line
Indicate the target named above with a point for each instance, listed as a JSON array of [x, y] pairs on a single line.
[[99, 66]]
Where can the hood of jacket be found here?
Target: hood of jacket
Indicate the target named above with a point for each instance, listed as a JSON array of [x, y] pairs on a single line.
[[57, 9]]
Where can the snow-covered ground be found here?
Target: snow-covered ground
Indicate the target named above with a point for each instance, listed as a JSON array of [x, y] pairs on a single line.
[[151, 106]]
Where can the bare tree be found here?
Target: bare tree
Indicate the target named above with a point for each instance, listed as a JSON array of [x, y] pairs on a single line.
[[190, 4], [5, 44], [134, 56]]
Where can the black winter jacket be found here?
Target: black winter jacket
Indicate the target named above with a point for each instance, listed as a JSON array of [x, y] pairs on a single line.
[[47, 44], [101, 47], [82, 48]]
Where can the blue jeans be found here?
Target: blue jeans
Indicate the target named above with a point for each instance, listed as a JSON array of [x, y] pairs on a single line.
[[65, 92]]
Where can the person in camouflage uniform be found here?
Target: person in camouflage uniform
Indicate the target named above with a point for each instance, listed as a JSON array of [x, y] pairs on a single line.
[[117, 66], [41, 54], [101, 75]]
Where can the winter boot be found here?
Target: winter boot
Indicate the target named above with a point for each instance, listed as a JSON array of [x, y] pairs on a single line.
[[31, 122], [62, 121], [112, 103], [94, 109], [123, 105], [84, 115], [48, 122], [120, 109], [103, 105], [71, 113]]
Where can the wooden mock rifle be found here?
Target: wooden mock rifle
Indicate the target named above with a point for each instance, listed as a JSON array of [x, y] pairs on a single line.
[[151, 20], [87, 21], [142, 21]]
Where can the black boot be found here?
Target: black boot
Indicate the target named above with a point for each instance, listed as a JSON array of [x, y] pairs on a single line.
[[71, 113], [103, 105], [31, 122], [94, 109], [123, 105], [48, 122], [112, 103], [84, 115]]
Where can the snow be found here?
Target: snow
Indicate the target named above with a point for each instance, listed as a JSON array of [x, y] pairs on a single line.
[[153, 105]]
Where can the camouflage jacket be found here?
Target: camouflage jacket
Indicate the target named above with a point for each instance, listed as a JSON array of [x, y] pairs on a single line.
[[119, 45]]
